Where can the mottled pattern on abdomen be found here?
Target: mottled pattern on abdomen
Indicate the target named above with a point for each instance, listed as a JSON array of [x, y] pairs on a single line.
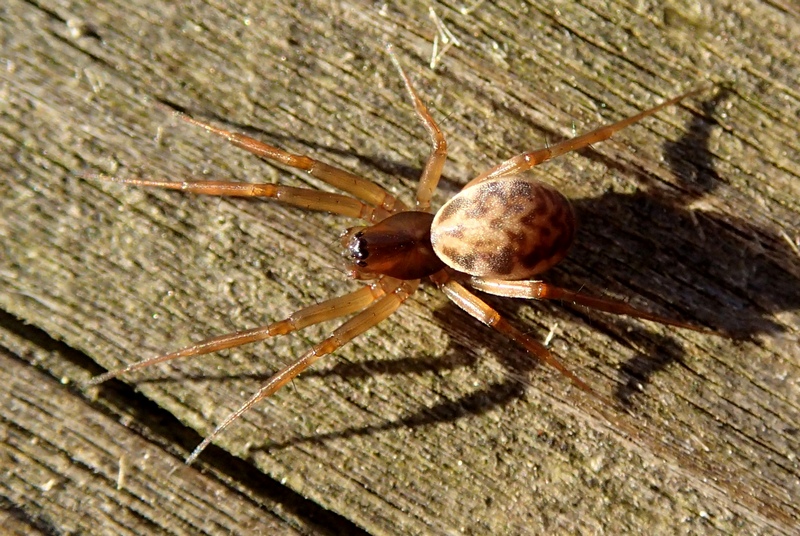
[[510, 228]]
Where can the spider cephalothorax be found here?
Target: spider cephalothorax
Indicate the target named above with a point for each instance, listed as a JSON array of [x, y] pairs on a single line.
[[399, 246]]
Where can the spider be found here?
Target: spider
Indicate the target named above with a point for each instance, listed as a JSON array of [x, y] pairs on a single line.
[[501, 230]]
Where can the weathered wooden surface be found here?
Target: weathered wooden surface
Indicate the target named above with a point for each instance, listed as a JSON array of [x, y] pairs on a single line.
[[430, 423]]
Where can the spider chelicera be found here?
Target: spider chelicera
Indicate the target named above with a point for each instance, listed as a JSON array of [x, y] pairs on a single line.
[[502, 229]]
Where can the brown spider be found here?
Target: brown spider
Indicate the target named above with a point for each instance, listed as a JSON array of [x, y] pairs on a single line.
[[502, 229]]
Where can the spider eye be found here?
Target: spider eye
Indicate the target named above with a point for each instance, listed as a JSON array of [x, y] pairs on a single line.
[[358, 249]]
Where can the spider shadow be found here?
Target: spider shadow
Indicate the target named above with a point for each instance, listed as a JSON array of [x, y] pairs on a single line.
[[711, 269], [477, 402], [715, 270], [460, 327]]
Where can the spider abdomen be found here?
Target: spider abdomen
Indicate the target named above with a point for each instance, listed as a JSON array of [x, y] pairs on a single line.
[[508, 228]]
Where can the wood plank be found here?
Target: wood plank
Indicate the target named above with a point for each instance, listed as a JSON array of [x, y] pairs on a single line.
[[430, 423], [82, 472]]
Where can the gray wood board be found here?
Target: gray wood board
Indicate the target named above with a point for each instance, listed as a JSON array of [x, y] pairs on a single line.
[[430, 423]]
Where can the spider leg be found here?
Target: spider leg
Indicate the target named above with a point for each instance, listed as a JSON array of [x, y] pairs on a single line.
[[321, 312], [435, 163], [300, 197], [484, 313], [539, 290], [525, 161], [344, 180], [366, 319]]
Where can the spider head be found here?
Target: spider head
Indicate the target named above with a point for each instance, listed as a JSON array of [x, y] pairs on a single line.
[[399, 246]]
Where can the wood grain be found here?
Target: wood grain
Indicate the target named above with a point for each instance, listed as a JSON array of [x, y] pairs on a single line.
[[430, 423]]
